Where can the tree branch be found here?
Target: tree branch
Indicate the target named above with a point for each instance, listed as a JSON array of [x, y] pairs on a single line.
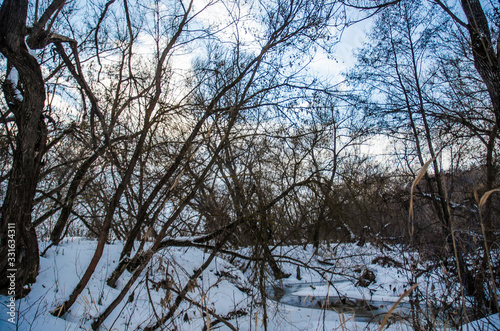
[[387, 4], [37, 38], [452, 15]]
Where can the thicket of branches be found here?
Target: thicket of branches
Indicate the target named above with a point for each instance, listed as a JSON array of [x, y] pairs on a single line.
[[152, 122]]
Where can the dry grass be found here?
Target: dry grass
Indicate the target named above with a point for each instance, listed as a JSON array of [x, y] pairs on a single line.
[[419, 177], [395, 305], [481, 203]]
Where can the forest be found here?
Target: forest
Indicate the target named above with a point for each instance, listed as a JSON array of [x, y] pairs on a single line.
[[185, 164]]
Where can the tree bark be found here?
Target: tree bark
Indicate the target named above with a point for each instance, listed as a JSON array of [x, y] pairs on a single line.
[[25, 98], [486, 58]]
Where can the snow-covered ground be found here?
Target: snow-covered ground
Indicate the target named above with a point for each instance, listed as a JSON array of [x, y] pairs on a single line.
[[222, 290]]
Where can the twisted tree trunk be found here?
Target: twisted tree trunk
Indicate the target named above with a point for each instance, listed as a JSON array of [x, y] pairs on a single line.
[[24, 91]]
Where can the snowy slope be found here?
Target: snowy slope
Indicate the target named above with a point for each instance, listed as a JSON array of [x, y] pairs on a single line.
[[222, 290]]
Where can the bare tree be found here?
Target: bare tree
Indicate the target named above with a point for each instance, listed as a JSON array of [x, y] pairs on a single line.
[[423, 76], [482, 28]]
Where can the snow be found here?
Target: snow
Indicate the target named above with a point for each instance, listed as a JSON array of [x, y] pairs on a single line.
[[31, 51], [14, 78], [348, 290], [488, 323], [223, 288]]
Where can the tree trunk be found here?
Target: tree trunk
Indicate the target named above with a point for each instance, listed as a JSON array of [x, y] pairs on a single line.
[[25, 98], [486, 59], [57, 230]]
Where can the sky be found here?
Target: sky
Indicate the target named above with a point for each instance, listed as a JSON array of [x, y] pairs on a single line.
[[331, 67]]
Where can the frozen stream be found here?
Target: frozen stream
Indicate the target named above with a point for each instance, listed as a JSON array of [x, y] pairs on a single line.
[[363, 310]]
